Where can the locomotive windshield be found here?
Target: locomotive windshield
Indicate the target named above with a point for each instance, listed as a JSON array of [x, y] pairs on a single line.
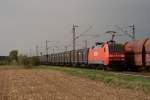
[[115, 48]]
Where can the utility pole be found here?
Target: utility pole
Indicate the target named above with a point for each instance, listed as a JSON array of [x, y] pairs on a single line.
[[47, 45], [133, 31], [74, 40], [53, 50], [46, 50], [57, 48], [74, 36], [66, 48], [37, 51], [41, 53], [85, 44]]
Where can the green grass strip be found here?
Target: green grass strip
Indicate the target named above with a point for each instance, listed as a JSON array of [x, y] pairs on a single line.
[[110, 78]]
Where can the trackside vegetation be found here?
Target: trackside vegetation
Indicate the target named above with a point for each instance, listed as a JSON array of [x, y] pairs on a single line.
[[28, 62], [21, 60], [109, 78]]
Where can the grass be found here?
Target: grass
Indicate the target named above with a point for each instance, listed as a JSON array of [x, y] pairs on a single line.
[[109, 78]]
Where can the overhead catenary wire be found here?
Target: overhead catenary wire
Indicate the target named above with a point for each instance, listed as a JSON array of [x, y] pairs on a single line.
[[126, 32], [85, 32]]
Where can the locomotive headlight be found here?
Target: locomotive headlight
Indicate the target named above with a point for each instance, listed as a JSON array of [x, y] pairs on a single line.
[[122, 55], [111, 56]]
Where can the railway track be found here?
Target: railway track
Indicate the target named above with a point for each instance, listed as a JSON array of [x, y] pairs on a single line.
[[135, 74]]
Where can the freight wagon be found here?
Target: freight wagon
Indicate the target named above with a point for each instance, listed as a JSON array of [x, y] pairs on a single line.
[[137, 54]]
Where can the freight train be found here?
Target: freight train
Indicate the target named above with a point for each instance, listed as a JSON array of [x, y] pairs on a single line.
[[130, 55], [137, 54], [102, 55]]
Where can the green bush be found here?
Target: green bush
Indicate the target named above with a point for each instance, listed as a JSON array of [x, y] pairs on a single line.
[[28, 62], [4, 62], [23, 60]]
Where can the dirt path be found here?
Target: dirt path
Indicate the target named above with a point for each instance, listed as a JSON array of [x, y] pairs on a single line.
[[52, 85]]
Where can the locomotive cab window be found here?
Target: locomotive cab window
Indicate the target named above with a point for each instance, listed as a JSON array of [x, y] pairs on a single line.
[[115, 48]]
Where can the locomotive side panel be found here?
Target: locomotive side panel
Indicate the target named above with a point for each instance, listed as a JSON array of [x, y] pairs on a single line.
[[96, 56]]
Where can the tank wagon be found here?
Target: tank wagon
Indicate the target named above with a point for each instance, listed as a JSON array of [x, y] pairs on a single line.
[[137, 54], [147, 53], [109, 53]]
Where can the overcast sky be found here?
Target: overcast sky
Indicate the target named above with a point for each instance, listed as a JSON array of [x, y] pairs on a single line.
[[27, 23]]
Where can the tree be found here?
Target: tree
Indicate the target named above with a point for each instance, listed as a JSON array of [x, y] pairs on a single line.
[[13, 55]]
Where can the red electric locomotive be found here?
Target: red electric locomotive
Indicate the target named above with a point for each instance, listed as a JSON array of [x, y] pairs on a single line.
[[109, 53]]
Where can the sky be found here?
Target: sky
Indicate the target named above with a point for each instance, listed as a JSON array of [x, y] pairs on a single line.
[[27, 23]]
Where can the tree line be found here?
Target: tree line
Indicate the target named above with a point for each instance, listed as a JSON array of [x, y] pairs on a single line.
[[15, 58]]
